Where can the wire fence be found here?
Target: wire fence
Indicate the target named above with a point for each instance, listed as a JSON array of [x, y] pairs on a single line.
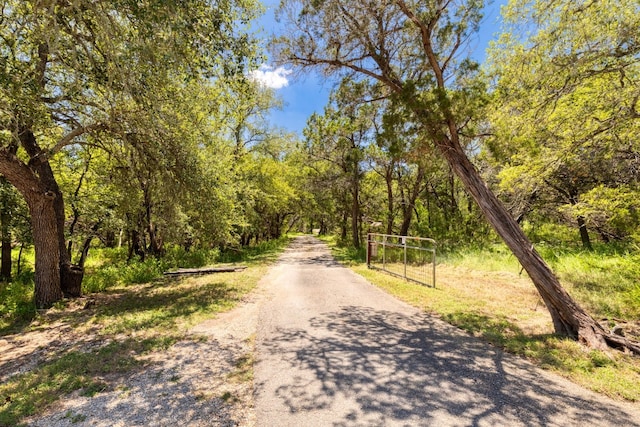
[[412, 258]]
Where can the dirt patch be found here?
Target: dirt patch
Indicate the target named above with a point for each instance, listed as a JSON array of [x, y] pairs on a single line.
[[204, 379]]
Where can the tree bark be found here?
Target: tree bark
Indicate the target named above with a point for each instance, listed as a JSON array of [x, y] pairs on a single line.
[[569, 319], [69, 274], [355, 210], [5, 267], [388, 178], [44, 225], [47, 247], [584, 233], [409, 205]]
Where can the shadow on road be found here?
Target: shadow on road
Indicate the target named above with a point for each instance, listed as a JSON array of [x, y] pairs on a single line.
[[402, 369]]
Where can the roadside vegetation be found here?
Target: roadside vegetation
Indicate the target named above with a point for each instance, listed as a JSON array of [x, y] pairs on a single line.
[[483, 291], [129, 310]]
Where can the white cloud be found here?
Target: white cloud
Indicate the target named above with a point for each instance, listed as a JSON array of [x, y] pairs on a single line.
[[267, 76]]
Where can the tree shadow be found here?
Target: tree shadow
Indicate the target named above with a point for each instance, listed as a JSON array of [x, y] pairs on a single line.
[[417, 370]]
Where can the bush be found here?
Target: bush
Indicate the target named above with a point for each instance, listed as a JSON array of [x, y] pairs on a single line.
[[177, 257], [17, 305], [142, 272], [101, 279]]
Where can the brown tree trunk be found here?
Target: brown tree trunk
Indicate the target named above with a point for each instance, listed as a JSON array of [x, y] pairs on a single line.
[[47, 247], [70, 275], [44, 225], [568, 317], [584, 234], [409, 205], [388, 177], [355, 214]]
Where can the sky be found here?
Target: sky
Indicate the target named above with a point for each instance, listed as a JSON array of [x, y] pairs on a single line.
[[308, 93]]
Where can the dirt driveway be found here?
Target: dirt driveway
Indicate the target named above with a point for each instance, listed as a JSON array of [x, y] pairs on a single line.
[[333, 350]]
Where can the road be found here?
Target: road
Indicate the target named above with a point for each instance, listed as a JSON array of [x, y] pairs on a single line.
[[333, 350]]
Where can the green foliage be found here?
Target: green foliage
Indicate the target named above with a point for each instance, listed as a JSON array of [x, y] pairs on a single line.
[[142, 271], [177, 256], [17, 306], [564, 144], [101, 279], [345, 252], [264, 251]]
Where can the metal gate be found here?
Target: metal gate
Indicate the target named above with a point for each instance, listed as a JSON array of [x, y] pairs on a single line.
[[413, 258]]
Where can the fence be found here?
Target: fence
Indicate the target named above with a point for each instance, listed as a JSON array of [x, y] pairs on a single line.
[[413, 258]]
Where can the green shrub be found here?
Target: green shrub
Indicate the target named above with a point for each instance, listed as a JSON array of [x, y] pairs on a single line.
[[177, 257], [17, 305], [101, 279], [142, 271]]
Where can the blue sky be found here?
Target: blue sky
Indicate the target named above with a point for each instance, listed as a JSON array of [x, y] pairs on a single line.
[[308, 93]]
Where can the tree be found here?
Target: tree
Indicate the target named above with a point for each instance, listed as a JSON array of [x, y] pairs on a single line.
[[74, 72], [340, 137], [415, 49], [10, 210], [566, 123]]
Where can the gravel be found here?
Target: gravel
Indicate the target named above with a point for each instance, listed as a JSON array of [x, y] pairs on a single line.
[[190, 384]]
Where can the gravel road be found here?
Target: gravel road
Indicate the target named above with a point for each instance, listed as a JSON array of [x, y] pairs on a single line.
[[333, 350]]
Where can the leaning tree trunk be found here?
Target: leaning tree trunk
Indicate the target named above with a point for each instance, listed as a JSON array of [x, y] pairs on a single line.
[[568, 317]]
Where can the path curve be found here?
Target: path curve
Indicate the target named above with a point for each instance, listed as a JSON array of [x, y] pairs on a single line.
[[333, 350]]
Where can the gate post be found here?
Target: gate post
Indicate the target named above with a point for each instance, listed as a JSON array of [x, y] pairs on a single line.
[[404, 243]]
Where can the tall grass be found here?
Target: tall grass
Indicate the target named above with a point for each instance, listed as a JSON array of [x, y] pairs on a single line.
[[605, 280]]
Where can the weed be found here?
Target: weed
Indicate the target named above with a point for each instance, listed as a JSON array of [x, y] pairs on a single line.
[[74, 418], [17, 306]]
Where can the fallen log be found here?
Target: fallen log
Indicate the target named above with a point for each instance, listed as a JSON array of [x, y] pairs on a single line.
[[204, 270]]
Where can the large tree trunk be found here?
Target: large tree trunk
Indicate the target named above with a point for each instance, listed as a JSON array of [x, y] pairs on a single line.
[[70, 275], [47, 248], [568, 317], [44, 227]]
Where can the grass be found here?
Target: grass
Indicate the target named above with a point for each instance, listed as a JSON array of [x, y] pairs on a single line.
[[126, 320], [483, 293]]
